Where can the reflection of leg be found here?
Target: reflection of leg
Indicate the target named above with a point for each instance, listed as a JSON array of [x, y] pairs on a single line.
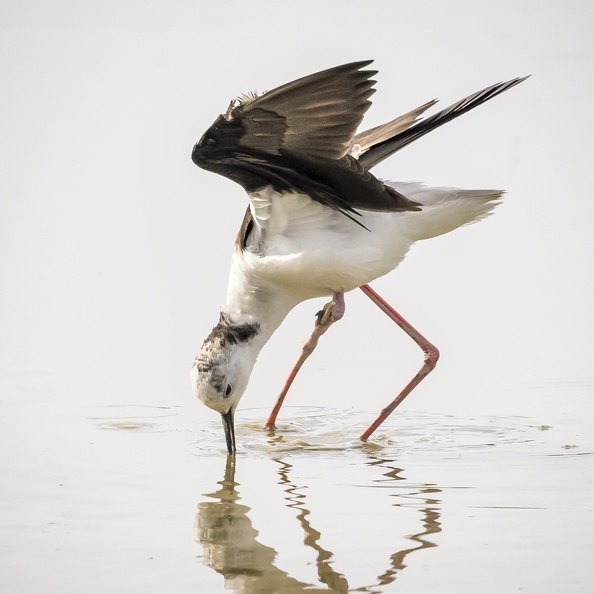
[[431, 357], [332, 312], [296, 497]]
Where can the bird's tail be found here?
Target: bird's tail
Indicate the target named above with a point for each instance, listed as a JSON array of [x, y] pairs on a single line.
[[445, 209]]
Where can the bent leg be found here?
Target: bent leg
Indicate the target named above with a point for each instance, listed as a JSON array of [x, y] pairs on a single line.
[[332, 312], [430, 351]]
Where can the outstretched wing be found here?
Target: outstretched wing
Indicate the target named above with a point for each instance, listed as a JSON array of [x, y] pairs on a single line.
[[317, 115], [364, 141], [297, 138], [301, 137], [388, 146]]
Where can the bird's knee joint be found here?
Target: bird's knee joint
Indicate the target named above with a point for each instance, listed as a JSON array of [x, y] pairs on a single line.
[[431, 355]]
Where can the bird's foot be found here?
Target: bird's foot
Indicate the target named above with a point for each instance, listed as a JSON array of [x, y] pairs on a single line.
[[332, 311], [326, 314]]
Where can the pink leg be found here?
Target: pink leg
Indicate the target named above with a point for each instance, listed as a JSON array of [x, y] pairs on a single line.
[[332, 312], [431, 357]]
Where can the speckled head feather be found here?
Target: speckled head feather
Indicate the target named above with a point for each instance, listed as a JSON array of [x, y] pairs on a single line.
[[213, 370], [225, 334]]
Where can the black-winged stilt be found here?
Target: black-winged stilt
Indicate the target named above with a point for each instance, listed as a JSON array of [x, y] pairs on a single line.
[[319, 223]]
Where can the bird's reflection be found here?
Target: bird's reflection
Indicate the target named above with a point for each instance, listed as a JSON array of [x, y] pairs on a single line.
[[431, 524], [326, 574], [225, 531]]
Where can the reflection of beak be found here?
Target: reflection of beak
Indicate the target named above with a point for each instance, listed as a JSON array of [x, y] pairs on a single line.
[[229, 428]]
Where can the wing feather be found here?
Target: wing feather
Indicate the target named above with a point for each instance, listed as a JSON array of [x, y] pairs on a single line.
[[317, 115], [384, 149], [301, 137]]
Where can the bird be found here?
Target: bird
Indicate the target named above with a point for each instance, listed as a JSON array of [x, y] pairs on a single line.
[[318, 222]]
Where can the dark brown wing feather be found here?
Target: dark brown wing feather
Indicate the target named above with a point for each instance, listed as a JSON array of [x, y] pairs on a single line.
[[383, 150], [320, 112], [296, 138]]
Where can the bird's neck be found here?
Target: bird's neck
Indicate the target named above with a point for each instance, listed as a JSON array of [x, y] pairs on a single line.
[[253, 301]]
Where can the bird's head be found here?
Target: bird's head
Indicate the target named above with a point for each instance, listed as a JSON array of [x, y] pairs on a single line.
[[218, 144], [222, 369]]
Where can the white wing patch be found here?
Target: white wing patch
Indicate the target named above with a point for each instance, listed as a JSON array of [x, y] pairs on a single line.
[[288, 222]]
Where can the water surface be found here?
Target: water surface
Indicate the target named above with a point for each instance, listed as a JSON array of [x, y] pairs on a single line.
[[140, 498]]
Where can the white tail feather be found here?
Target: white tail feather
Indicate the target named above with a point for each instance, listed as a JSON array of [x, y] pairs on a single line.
[[445, 209]]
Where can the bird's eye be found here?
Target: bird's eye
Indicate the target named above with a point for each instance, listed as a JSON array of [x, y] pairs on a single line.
[[228, 390]]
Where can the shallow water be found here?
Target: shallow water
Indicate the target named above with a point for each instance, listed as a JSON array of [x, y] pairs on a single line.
[[138, 498]]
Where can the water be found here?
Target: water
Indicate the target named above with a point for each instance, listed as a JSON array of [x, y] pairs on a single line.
[[141, 498]]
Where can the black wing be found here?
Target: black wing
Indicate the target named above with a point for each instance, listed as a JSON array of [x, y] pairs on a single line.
[[296, 138], [382, 150], [317, 115]]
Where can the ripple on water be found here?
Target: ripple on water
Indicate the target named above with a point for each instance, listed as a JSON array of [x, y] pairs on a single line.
[[134, 417], [319, 429]]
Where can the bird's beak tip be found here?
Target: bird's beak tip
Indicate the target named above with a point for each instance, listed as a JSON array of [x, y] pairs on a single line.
[[229, 427]]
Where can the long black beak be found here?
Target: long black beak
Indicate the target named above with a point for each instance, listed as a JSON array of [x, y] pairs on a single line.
[[229, 427]]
